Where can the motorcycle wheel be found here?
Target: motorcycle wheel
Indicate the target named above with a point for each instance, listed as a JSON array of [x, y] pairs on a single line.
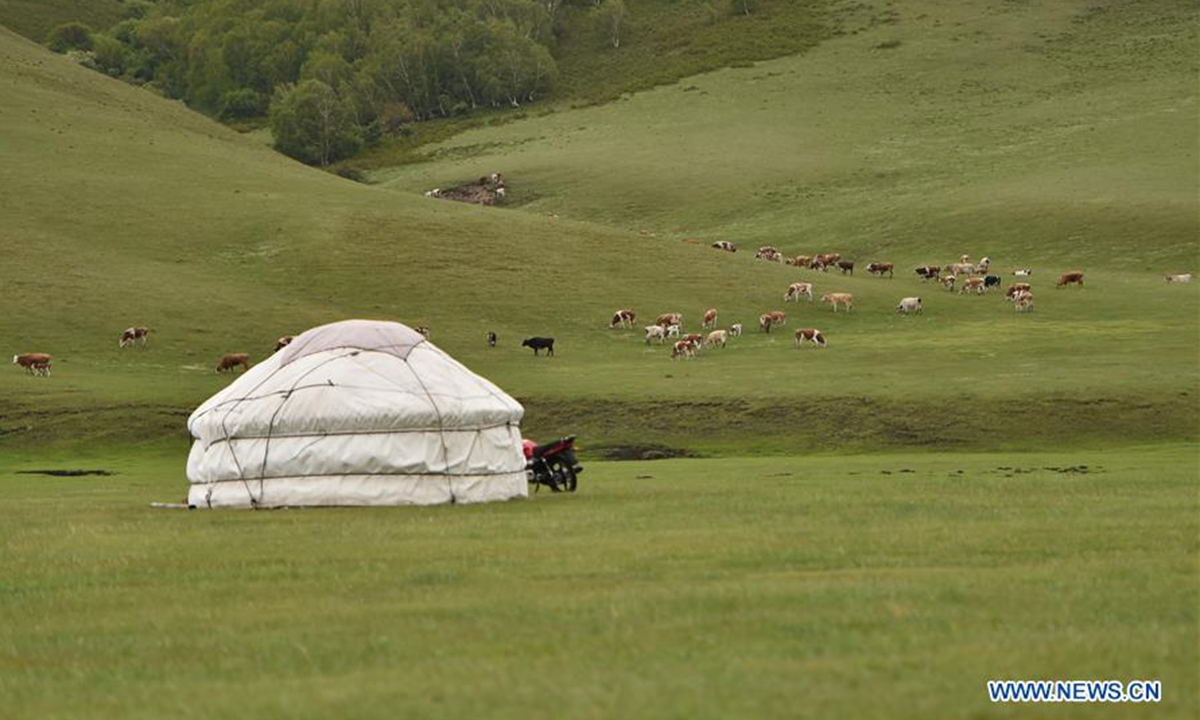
[[569, 479]]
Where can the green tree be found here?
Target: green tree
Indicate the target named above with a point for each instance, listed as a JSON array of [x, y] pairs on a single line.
[[312, 124], [70, 36]]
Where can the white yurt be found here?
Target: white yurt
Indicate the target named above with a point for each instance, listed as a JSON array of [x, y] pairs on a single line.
[[356, 413]]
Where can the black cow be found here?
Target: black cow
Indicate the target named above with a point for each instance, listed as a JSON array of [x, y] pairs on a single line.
[[538, 343], [491, 339], [991, 281]]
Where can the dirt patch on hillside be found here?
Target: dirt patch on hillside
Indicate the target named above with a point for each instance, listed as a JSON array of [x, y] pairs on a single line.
[[642, 452], [66, 473]]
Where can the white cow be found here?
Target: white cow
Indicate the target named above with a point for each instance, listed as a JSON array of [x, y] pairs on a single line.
[[910, 304], [735, 330], [655, 332], [1186, 277]]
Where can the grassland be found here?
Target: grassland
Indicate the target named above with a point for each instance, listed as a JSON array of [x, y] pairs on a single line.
[[865, 586], [834, 559]]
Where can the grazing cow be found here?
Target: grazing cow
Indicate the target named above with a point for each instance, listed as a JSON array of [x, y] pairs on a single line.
[[230, 361], [910, 304], [1023, 301], [133, 335], [1015, 289], [948, 282], [846, 266], [765, 321], [1022, 272], [983, 266], [674, 331], [800, 261], [283, 342], [974, 283], [424, 330], [539, 343], [717, 337], [828, 258], [624, 318], [735, 330], [929, 272], [694, 338], [836, 299], [710, 319], [795, 290], [811, 335], [961, 268], [668, 319], [1073, 277], [991, 281], [778, 317], [769, 253], [683, 348], [34, 362], [1184, 278], [655, 332], [880, 269], [725, 245], [491, 339]]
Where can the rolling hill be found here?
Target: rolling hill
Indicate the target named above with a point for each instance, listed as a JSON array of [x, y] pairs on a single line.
[[121, 208]]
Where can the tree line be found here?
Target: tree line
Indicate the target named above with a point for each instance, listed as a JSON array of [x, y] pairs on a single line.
[[332, 75]]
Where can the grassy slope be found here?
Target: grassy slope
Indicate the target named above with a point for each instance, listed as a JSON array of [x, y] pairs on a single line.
[[865, 587], [121, 208], [36, 18]]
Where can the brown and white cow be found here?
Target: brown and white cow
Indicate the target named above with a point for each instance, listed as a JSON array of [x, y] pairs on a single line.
[[836, 299], [811, 335], [133, 335], [683, 348], [283, 342], [769, 253], [710, 319], [717, 337], [34, 363], [778, 317], [1073, 277], [1023, 301], [694, 338], [1016, 288], [669, 319], [929, 272], [948, 282], [229, 361], [795, 290], [765, 321], [880, 269], [800, 261], [972, 283], [623, 318]]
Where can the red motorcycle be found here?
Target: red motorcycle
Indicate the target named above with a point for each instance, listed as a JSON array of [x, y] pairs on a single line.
[[553, 464]]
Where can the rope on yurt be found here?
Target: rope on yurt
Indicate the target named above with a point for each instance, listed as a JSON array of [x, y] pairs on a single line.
[[441, 430]]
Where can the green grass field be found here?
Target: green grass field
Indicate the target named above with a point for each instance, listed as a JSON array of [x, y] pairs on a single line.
[[865, 586], [793, 567]]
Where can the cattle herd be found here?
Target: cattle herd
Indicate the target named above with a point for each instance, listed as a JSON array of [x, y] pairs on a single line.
[[965, 276]]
